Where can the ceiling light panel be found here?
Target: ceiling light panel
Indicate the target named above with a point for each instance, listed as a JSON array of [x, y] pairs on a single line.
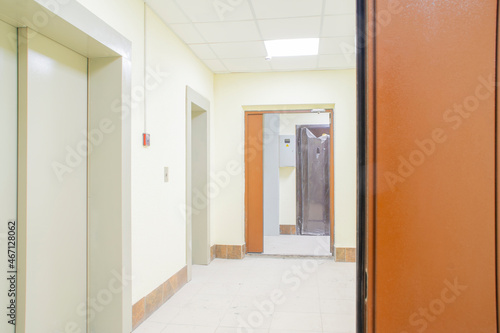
[[269, 9], [292, 47]]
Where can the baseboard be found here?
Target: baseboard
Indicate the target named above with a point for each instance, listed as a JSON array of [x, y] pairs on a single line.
[[212, 252], [230, 251], [345, 254], [288, 229], [149, 304]]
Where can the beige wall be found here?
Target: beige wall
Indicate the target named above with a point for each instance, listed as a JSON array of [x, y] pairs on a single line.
[[314, 87], [158, 222], [288, 191]]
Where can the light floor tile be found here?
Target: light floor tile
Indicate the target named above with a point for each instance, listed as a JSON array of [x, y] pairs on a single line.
[[240, 330], [234, 296], [150, 327], [299, 304], [297, 321], [199, 317], [338, 323], [338, 306], [248, 317], [188, 329]]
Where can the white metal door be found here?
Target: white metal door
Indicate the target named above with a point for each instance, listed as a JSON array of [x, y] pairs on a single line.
[[56, 190]]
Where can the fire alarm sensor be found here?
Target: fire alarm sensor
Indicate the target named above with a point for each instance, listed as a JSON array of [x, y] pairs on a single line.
[[145, 140]]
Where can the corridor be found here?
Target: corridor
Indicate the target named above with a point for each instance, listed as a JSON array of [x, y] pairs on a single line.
[[261, 295]]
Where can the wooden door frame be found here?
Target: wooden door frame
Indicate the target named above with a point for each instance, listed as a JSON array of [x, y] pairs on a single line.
[[290, 110]]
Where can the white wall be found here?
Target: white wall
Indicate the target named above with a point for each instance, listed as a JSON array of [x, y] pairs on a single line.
[[158, 223], [287, 178], [314, 87], [8, 151]]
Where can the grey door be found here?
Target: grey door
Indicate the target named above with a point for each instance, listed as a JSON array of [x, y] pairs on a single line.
[[313, 175]]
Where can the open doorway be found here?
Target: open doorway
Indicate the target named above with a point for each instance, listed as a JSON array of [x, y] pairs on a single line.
[[289, 195], [198, 233]]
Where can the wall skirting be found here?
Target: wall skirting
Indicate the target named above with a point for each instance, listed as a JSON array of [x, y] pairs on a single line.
[[288, 229], [230, 251], [212, 252], [150, 303], [345, 254]]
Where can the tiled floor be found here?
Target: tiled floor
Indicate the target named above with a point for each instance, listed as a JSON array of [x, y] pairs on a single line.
[[297, 245], [261, 295]]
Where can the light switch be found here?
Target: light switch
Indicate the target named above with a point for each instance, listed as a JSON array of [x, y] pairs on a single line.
[[165, 174]]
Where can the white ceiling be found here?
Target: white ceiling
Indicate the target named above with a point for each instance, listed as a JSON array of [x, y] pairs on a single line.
[[228, 35]]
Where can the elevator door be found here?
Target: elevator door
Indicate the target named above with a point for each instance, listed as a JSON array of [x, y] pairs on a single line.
[[8, 165], [313, 180], [55, 127], [431, 144]]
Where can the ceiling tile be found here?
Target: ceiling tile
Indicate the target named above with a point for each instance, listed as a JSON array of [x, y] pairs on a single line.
[[168, 11], [203, 51], [216, 66], [336, 61], [336, 7], [294, 63], [339, 25], [337, 45], [247, 65], [223, 32], [308, 27], [216, 10], [187, 33], [239, 50], [268, 9]]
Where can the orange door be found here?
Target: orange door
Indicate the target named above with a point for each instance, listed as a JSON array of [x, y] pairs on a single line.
[[431, 166], [254, 208]]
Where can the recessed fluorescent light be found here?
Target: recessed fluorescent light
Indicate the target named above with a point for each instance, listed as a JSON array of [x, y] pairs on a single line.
[[292, 47]]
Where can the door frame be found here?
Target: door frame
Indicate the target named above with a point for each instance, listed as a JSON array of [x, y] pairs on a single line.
[[364, 307], [290, 109], [193, 97]]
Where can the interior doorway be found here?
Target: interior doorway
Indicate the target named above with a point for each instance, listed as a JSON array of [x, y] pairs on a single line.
[[198, 178], [285, 213]]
